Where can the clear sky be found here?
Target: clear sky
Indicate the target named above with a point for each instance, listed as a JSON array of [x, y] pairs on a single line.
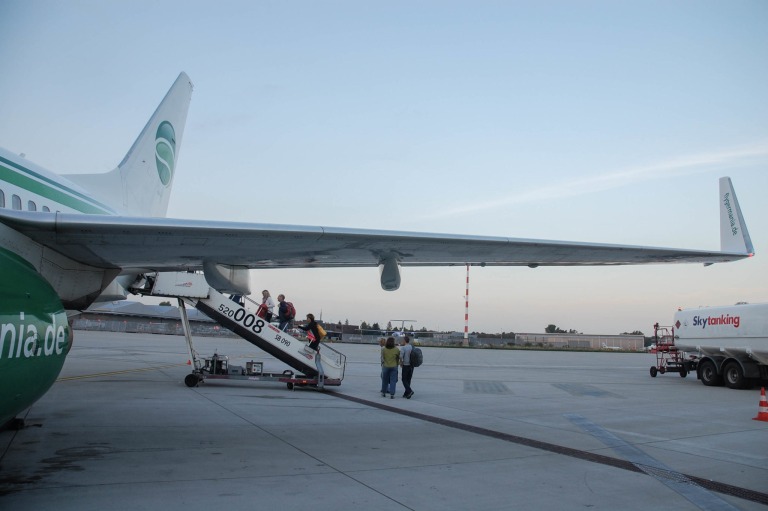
[[595, 121]]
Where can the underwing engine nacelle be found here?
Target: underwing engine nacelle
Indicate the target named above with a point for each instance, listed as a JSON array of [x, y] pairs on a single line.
[[226, 278], [389, 272]]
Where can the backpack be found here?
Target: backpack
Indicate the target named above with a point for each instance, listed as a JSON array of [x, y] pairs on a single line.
[[290, 310], [322, 332], [417, 357]]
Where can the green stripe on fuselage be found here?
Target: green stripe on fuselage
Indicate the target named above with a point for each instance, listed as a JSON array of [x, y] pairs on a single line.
[[22, 177]]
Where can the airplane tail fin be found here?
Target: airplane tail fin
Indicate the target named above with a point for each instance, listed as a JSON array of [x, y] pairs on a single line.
[[734, 236], [141, 183]]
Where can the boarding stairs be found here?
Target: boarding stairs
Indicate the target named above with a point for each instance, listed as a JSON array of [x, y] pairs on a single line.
[[193, 289]]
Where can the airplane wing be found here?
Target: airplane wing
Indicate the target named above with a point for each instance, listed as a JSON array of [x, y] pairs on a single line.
[[224, 250], [164, 244]]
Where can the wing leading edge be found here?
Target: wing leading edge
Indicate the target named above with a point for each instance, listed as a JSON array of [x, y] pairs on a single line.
[[164, 244]]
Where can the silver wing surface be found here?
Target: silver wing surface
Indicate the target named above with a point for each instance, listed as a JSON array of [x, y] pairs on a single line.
[[164, 244]]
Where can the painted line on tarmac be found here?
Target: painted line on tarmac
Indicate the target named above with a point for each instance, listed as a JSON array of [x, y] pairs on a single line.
[[112, 373], [722, 488], [677, 482]]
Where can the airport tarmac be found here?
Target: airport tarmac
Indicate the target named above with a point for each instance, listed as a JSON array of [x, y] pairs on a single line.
[[485, 430]]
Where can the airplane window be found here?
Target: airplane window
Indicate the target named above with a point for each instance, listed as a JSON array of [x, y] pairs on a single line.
[[2, 199], [31, 206], [16, 202], [46, 209]]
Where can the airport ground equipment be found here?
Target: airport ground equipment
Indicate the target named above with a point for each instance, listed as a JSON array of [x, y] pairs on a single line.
[[668, 357], [304, 381], [218, 367], [725, 345], [192, 289]]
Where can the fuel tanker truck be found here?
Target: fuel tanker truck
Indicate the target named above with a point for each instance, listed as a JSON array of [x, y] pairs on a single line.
[[724, 345]]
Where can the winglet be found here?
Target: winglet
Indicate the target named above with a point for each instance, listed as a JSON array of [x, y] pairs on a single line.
[[734, 236]]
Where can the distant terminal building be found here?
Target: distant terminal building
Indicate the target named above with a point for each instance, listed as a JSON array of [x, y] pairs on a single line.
[[582, 341], [136, 317]]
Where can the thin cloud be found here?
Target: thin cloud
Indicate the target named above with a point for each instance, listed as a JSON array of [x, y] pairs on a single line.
[[682, 166]]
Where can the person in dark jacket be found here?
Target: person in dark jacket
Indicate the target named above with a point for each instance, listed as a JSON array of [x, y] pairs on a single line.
[[314, 343], [407, 368], [282, 313]]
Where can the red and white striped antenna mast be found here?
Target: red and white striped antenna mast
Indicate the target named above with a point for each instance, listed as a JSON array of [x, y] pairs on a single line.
[[466, 312]]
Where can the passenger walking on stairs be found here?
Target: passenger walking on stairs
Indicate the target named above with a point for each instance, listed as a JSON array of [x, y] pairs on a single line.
[[268, 303], [313, 334], [390, 358], [405, 361], [285, 312]]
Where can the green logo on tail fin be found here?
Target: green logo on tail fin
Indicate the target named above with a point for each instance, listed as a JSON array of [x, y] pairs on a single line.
[[165, 151]]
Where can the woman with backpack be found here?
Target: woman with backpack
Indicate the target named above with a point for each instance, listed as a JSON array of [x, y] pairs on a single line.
[[315, 333]]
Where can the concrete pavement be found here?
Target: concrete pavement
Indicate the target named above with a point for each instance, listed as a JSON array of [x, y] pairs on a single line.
[[485, 430]]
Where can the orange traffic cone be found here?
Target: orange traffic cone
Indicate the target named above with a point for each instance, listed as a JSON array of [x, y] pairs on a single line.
[[189, 362], [762, 410]]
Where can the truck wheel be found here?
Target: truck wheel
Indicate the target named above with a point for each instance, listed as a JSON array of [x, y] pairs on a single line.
[[191, 380], [708, 374], [683, 372], [733, 375], [654, 371]]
